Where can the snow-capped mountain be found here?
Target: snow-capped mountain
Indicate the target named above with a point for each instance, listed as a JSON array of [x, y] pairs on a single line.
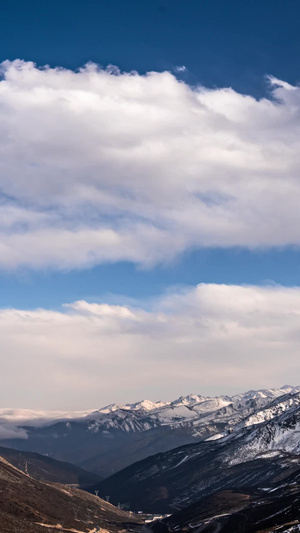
[[108, 439], [193, 409], [273, 430], [265, 454]]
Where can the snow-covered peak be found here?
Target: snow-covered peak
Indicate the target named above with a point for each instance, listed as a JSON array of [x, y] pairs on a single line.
[[111, 408], [266, 393], [190, 399], [212, 404], [273, 429], [201, 416], [145, 405]]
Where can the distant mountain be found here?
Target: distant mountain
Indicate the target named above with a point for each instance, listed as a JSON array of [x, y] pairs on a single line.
[[47, 469], [109, 439], [264, 454], [31, 506]]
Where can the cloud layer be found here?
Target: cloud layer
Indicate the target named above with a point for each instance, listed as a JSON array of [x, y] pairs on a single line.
[[100, 166], [209, 339]]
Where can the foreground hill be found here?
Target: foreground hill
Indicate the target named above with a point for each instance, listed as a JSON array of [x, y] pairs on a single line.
[[107, 440], [31, 506], [264, 454], [47, 469]]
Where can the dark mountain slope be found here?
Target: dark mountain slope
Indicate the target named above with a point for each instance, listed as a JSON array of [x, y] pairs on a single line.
[[254, 456], [164, 485], [48, 469], [231, 512], [31, 506], [101, 451]]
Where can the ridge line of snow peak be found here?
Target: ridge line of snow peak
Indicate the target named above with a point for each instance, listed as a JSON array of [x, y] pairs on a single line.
[[202, 416], [195, 399], [191, 408]]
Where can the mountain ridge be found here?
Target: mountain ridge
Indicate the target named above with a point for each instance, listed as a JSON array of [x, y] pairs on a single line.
[[45, 468], [113, 437], [260, 455]]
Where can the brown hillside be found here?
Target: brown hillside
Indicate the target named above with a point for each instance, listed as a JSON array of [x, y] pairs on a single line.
[[31, 506]]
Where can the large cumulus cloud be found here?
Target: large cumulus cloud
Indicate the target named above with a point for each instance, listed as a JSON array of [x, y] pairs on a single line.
[[98, 165]]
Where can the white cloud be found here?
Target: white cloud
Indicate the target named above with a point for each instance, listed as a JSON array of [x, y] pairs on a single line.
[[100, 166], [208, 339], [10, 431], [12, 421]]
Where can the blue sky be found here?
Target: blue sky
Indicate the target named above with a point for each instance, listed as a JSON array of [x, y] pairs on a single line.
[[126, 191], [221, 44], [121, 281]]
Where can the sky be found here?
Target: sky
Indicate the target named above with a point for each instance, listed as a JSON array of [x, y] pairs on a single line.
[[149, 200]]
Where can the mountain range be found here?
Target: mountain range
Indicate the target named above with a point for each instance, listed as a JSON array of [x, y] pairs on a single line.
[[109, 439], [237, 471], [263, 453]]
